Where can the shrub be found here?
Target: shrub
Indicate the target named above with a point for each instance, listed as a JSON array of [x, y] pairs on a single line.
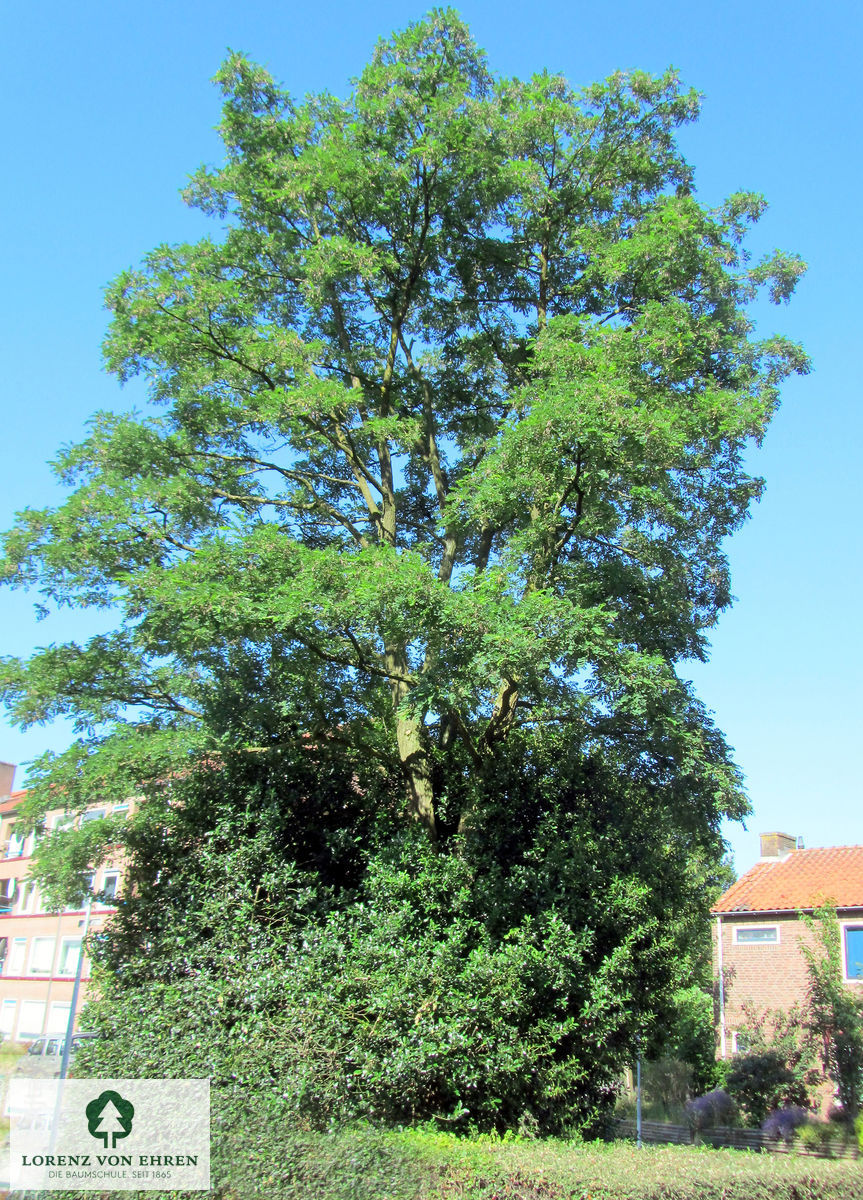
[[761, 1082], [784, 1122], [788, 1034], [823, 1136], [713, 1108], [836, 1012], [667, 1082]]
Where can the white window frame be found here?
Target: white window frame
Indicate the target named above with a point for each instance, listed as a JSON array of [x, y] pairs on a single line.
[[91, 814], [19, 842], [766, 925], [21, 944], [64, 942], [57, 1028], [27, 897], [849, 923], [25, 1034], [8, 1006], [31, 970], [112, 900]]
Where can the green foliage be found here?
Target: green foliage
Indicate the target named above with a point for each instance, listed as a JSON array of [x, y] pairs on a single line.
[[449, 432], [825, 1137], [481, 989], [836, 1012], [761, 1082], [691, 1036], [366, 1164], [786, 1035], [667, 1083], [447, 436]]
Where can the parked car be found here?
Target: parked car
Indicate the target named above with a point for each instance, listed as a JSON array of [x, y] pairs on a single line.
[[43, 1057]]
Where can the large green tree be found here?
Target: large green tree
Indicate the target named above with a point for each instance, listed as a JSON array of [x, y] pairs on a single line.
[[448, 433], [448, 428]]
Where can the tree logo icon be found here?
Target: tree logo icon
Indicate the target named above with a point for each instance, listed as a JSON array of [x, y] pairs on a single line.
[[109, 1116]]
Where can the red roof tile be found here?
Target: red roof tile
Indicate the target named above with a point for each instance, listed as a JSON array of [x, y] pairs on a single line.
[[805, 879]]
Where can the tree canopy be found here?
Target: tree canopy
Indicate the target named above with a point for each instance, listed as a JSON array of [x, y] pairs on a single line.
[[398, 572], [448, 428]]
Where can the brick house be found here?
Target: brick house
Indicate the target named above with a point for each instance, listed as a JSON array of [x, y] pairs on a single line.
[[758, 931], [39, 949]]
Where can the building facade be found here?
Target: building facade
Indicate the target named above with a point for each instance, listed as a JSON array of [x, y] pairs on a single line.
[[39, 948], [759, 933]]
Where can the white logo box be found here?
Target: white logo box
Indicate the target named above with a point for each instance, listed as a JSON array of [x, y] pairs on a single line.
[[109, 1134]]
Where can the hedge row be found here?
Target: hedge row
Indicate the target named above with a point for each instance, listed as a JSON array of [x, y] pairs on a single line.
[[366, 1164]]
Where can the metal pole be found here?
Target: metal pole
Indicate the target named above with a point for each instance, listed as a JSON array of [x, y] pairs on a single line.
[[722, 1040], [638, 1101], [70, 1024]]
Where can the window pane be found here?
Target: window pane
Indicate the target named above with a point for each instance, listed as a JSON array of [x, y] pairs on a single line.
[[757, 933], [16, 956], [7, 1016], [95, 814], [31, 1020], [854, 952], [69, 957], [42, 956]]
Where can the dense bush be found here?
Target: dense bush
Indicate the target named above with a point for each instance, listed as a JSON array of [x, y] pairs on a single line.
[[713, 1108], [784, 1122], [281, 933], [763, 1081], [787, 1036]]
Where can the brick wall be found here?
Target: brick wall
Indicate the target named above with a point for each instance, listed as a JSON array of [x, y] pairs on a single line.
[[766, 974]]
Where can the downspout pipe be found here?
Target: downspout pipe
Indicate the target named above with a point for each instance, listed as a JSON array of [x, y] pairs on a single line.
[[722, 1044]]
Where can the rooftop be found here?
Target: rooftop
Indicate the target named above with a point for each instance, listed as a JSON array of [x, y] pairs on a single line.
[[801, 879]]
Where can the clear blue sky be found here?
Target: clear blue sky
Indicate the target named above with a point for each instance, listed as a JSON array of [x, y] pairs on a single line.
[[108, 106]]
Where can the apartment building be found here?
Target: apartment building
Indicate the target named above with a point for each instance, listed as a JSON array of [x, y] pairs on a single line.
[[39, 948]]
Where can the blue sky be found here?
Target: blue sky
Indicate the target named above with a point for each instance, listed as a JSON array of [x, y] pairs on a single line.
[[108, 107]]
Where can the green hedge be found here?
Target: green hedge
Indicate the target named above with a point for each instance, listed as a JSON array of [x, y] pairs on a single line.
[[366, 1164]]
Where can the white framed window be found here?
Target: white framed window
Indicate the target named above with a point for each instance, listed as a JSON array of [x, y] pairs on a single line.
[[70, 949], [17, 954], [120, 810], [31, 1019], [93, 814], [7, 894], [7, 1016], [28, 900], [15, 849], [41, 956], [110, 884], [756, 935], [58, 1018]]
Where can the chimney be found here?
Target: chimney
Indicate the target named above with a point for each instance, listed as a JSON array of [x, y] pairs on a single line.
[[777, 845], [7, 777]]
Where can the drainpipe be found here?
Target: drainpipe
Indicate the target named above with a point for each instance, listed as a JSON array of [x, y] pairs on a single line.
[[721, 988]]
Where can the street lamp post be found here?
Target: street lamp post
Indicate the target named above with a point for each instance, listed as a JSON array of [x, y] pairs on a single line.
[[70, 1024]]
